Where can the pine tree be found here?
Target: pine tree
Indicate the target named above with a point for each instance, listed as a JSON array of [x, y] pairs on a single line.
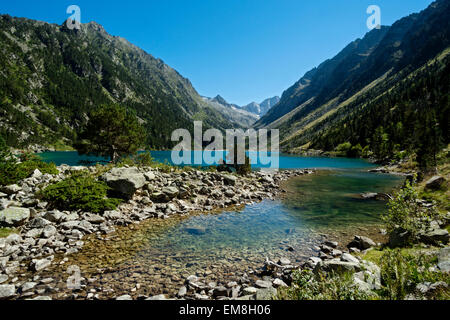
[[113, 132]]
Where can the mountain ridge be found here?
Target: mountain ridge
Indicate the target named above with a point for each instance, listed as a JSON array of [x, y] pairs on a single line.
[[52, 77]]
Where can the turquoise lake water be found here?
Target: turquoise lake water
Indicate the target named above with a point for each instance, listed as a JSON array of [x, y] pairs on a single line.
[[235, 242], [328, 199], [285, 161]]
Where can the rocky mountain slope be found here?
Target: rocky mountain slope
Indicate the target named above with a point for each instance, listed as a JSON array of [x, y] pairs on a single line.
[[365, 69], [244, 116], [51, 77]]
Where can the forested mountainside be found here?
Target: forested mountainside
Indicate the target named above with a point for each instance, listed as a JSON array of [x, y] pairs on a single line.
[[411, 115], [52, 77], [385, 60]]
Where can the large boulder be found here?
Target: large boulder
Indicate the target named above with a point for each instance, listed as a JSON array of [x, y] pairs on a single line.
[[7, 291], [11, 189], [435, 183], [170, 192], [399, 237], [435, 236], [362, 243], [124, 181], [337, 266], [229, 180], [14, 217]]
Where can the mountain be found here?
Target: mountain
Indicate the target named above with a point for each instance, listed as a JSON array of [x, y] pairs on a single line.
[[244, 116], [52, 77], [339, 90], [262, 108], [232, 112]]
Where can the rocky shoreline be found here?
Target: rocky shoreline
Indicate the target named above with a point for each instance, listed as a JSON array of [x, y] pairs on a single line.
[[46, 237]]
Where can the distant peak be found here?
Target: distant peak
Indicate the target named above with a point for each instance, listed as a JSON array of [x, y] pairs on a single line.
[[221, 100]]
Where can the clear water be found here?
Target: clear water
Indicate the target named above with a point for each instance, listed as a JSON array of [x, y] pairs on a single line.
[[325, 200], [235, 242]]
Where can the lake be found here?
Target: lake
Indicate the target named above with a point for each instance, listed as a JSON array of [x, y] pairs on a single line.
[[234, 242]]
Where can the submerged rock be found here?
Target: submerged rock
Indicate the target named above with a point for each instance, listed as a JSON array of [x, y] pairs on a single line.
[[195, 230]]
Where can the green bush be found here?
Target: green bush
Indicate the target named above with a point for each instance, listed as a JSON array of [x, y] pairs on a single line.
[[406, 214], [344, 147], [307, 285], [80, 191], [12, 171], [139, 160], [401, 273]]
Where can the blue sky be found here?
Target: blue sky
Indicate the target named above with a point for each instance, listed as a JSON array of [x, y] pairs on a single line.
[[244, 50]]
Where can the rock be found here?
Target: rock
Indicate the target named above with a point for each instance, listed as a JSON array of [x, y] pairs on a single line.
[[182, 292], [69, 225], [312, 262], [369, 196], [158, 297], [444, 259], [39, 223], [53, 216], [94, 218], [332, 244], [160, 197], [113, 215], [435, 183], [149, 176], [191, 278], [14, 217], [349, 258], [3, 278], [229, 193], [362, 243], [42, 298], [124, 181], [263, 284], [229, 180], [85, 226], [337, 266], [49, 231], [249, 291], [170, 192], [124, 297], [266, 294], [221, 292], [36, 174], [399, 237], [284, 262], [13, 239], [429, 289], [28, 286], [41, 264], [196, 230], [12, 189], [435, 236], [279, 283], [7, 291], [370, 278]]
